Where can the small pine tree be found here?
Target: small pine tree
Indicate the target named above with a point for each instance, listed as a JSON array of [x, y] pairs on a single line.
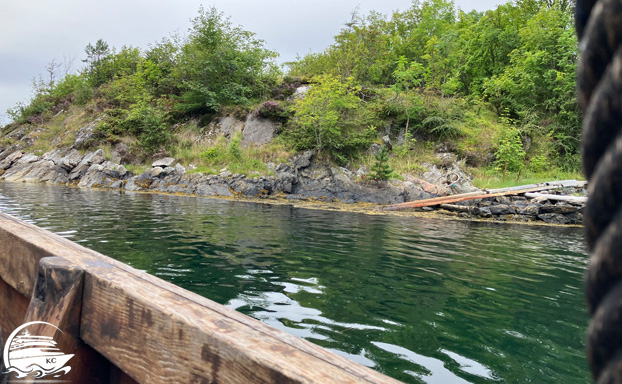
[[381, 169]]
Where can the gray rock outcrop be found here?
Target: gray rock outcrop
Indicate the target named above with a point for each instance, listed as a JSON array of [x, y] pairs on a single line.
[[302, 177]]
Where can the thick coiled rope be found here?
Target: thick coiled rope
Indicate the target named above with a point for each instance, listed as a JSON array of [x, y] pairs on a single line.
[[599, 83]]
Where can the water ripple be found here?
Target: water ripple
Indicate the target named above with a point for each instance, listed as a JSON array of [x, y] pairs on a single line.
[[425, 301]]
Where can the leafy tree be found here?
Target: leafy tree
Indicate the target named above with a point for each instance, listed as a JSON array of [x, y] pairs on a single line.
[[221, 64], [541, 76], [330, 118], [510, 154], [407, 76]]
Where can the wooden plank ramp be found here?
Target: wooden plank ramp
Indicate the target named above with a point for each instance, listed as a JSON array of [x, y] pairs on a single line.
[[518, 190]]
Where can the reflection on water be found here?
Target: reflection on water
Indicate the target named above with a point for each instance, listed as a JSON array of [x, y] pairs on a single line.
[[424, 301]]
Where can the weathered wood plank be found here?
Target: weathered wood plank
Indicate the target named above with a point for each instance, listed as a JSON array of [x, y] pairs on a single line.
[[19, 261], [155, 331], [13, 307], [547, 185], [568, 199], [485, 194], [457, 208], [57, 300]]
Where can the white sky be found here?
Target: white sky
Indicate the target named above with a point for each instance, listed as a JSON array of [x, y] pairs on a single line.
[[36, 31]]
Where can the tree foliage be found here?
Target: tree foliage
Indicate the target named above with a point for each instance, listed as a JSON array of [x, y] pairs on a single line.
[[520, 57], [332, 118], [220, 64]]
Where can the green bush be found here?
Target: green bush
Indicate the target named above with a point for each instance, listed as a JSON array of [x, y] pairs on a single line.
[[441, 127], [211, 154], [510, 154], [273, 111], [234, 146], [331, 118]]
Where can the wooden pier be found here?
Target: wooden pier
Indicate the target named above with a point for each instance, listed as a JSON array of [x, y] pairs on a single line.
[[125, 326]]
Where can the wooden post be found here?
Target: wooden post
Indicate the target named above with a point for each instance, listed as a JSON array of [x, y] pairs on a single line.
[[57, 300]]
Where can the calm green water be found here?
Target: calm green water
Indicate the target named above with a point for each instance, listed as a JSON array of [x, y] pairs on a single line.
[[424, 301]]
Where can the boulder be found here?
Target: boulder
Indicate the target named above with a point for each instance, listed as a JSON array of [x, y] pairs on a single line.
[[140, 182], [286, 178], [482, 211], [575, 218], [561, 208], [258, 131], [532, 209], [86, 136], [71, 160], [502, 210], [40, 171], [415, 192], [180, 169], [55, 174], [54, 156], [18, 171], [225, 126], [157, 172], [386, 140], [27, 159], [302, 160], [375, 148], [451, 178], [103, 175], [14, 156], [214, 186], [554, 218], [96, 157], [9, 160], [164, 162], [121, 154], [301, 92], [91, 158], [503, 200]]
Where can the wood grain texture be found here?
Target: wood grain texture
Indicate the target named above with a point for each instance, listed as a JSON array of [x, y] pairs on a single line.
[[57, 300], [156, 332], [13, 307]]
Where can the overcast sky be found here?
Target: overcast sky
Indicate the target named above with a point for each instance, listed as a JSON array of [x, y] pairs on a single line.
[[34, 32]]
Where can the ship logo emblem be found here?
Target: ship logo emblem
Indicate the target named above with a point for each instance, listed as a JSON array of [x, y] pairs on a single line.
[[37, 356]]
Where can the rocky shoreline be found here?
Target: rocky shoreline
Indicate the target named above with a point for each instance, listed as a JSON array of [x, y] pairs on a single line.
[[301, 178], [520, 208]]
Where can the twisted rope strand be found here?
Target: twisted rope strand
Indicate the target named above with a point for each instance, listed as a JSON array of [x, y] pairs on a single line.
[[599, 87]]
